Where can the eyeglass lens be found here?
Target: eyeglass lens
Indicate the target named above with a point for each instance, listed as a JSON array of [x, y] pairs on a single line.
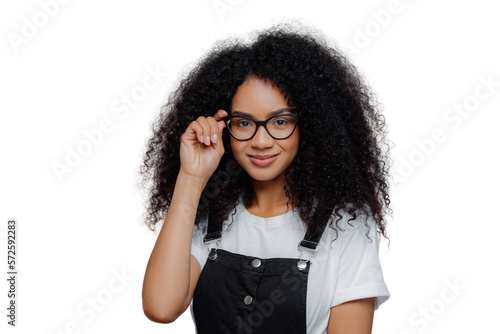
[[280, 126]]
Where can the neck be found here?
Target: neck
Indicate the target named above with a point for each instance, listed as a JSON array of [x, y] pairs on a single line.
[[269, 197]]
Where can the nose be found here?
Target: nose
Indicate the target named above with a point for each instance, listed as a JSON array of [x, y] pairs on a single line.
[[262, 139]]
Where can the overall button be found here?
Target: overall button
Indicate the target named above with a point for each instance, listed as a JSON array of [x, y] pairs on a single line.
[[248, 300], [212, 255], [302, 264], [256, 263]]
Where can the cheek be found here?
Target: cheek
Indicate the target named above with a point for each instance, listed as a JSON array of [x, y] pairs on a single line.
[[293, 144], [238, 152], [236, 146]]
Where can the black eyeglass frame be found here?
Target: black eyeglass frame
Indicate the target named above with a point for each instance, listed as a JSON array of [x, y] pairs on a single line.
[[259, 123]]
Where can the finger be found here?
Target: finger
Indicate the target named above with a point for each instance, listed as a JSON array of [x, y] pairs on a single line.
[[214, 129], [220, 114], [221, 125], [197, 129], [205, 135]]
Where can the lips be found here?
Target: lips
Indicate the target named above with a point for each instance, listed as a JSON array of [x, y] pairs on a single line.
[[262, 160]]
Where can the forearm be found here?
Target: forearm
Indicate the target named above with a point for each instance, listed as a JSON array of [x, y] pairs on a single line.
[[166, 287]]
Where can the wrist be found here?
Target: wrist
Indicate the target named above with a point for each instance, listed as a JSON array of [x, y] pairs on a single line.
[[192, 181]]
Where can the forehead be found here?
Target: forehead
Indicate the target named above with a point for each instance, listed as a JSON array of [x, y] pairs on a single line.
[[258, 99]]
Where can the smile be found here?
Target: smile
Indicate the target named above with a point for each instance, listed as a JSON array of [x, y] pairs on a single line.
[[262, 160]]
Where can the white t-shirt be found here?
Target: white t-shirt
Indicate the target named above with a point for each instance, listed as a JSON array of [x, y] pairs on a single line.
[[343, 270]]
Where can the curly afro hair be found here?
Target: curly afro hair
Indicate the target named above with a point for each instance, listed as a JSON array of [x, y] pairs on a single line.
[[342, 161]]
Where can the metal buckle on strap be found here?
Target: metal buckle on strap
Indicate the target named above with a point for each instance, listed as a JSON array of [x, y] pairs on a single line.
[[308, 245], [212, 237]]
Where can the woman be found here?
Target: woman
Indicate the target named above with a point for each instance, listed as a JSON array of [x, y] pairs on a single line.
[[268, 162]]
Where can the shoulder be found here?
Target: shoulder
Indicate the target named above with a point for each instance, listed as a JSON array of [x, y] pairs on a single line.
[[343, 225]]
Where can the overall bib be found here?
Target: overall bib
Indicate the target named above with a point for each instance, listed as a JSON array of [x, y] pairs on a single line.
[[243, 294]]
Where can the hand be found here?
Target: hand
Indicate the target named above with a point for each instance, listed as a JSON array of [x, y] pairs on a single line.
[[201, 146]]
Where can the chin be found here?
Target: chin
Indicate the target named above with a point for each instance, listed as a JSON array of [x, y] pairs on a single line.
[[264, 175]]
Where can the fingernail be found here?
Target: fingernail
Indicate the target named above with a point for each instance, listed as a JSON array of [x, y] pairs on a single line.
[[224, 112], [214, 136], [207, 140]]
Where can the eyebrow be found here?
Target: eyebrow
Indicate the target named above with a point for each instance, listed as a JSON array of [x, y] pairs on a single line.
[[271, 114]]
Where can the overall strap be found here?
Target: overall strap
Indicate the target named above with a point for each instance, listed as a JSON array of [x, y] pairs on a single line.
[[310, 243], [311, 240], [214, 232]]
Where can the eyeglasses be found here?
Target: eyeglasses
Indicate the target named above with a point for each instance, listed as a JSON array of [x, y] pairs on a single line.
[[244, 128]]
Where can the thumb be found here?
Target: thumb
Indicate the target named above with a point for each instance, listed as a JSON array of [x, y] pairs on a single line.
[[221, 125]]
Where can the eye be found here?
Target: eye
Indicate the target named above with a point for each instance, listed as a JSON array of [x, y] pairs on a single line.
[[242, 123], [280, 122]]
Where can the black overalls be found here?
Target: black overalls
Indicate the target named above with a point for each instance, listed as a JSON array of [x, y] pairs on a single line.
[[242, 294]]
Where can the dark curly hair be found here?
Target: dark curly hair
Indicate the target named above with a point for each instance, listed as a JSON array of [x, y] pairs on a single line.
[[342, 161]]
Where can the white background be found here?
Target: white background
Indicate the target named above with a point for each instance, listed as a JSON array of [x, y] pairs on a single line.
[[69, 72]]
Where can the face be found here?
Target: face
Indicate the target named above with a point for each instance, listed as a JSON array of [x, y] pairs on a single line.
[[258, 100]]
